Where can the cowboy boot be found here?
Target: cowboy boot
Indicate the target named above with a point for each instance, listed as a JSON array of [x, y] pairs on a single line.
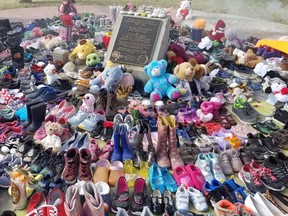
[[161, 152], [111, 105], [101, 100], [174, 156]]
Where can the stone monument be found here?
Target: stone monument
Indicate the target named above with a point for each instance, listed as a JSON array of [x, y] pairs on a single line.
[[136, 41]]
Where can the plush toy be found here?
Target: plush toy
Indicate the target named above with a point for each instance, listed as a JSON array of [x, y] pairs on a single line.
[[88, 102], [280, 91], [198, 31], [249, 59], [108, 79], [200, 71], [232, 39], [80, 53], [217, 34], [238, 92], [209, 109], [67, 7], [160, 83], [53, 130], [183, 71], [184, 12], [93, 63], [51, 73], [51, 41]]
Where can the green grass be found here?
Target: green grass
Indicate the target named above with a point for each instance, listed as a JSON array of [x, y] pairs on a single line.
[[275, 10]]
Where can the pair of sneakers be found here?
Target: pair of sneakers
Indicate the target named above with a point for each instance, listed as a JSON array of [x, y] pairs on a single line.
[[184, 195]]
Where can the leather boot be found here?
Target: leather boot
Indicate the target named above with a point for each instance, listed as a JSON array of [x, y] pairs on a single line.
[[38, 114], [161, 151], [17, 54], [101, 100], [111, 105], [94, 204], [117, 150], [175, 158]]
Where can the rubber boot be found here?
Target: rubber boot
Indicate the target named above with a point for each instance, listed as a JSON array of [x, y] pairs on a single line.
[[127, 152], [38, 113], [17, 54], [111, 106], [29, 115], [117, 150], [175, 158], [137, 144], [161, 150], [101, 100]]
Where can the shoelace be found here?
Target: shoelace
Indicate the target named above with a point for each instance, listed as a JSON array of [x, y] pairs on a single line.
[[266, 171], [71, 168], [256, 177]]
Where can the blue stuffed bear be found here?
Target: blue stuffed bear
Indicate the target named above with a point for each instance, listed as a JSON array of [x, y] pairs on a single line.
[[160, 83]]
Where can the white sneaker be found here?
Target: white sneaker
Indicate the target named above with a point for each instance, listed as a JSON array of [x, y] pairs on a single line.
[[256, 207], [162, 13], [216, 168], [121, 212], [146, 211], [269, 207], [155, 13], [203, 164], [198, 200], [78, 118], [182, 199]]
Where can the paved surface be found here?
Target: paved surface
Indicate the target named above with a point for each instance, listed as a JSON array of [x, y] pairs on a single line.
[[245, 26]]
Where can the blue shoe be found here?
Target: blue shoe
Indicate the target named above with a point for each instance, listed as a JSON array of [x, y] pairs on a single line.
[[237, 191], [78, 118], [127, 151], [117, 150], [22, 113], [170, 182], [156, 180]]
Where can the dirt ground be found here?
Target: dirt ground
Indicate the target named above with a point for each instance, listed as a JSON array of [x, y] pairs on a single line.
[[244, 26]]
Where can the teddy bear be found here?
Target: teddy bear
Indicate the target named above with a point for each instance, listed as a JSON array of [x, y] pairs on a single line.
[[184, 12], [232, 39], [81, 51], [160, 83], [182, 71], [67, 7], [279, 90], [53, 130], [108, 79], [249, 59], [51, 73]]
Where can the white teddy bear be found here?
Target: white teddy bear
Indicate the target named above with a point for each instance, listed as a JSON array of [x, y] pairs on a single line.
[[51, 73], [185, 11]]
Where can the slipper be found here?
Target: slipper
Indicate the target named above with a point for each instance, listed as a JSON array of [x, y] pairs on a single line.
[[116, 170], [182, 177], [170, 182], [196, 175], [101, 171]]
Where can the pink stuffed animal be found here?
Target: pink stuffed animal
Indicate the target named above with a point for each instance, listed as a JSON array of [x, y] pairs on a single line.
[[88, 103]]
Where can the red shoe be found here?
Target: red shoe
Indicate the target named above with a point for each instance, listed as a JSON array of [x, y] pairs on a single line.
[[211, 126], [11, 131], [37, 199], [107, 150], [57, 198]]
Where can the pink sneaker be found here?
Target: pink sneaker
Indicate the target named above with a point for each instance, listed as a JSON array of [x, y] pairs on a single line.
[[196, 175], [59, 108], [41, 132], [65, 135], [182, 177], [94, 150], [241, 130], [187, 115], [68, 112], [107, 150]]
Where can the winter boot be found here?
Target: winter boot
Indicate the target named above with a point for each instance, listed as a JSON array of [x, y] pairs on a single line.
[[111, 106], [84, 171], [69, 173], [161, 150], [127, 152], [136, 143], [101, 100], [172, 143], [117, 150], [38, 114], [94, 204], [17, 54], [72, 202]]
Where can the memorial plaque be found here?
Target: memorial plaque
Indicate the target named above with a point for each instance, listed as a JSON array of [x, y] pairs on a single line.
[[135, 41]]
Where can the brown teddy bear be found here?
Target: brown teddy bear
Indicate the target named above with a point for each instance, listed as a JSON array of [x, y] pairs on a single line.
[[200, 70], [249, 59], [52, 140], [184, 71]]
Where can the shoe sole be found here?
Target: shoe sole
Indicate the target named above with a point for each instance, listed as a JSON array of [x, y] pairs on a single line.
[[271, 188], [115, 211], [135, 213], [278, 122], [234, 114]]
